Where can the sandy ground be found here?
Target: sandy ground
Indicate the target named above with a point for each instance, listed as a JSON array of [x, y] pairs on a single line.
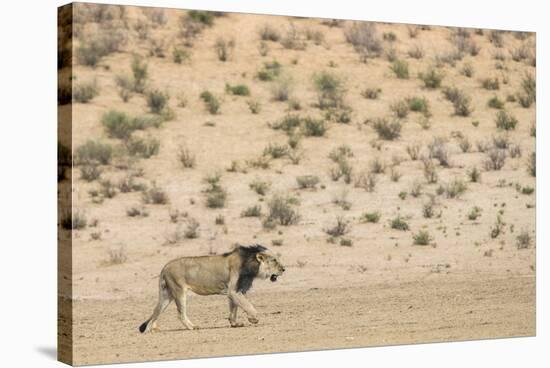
[[434, 309], [382, 290]]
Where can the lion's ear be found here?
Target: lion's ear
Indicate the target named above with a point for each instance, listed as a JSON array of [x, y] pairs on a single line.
[[260, 257]]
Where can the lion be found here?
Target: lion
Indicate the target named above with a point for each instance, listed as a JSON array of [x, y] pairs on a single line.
[[230, 274]]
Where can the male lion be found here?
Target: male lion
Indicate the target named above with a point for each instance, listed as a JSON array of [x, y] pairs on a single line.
[[230, 274]]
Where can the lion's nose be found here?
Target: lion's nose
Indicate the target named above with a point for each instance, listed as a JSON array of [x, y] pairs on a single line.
[[283, 269]]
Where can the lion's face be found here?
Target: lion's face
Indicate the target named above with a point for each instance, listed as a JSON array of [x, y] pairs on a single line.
[[270, 267]]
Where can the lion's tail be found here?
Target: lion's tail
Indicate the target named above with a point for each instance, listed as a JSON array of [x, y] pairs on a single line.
[[163, 289]]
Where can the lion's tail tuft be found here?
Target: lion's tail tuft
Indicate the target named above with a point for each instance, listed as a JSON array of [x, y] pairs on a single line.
[[143, 326]]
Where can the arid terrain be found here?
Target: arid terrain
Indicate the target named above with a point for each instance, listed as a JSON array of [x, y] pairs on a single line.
[[389, 166]]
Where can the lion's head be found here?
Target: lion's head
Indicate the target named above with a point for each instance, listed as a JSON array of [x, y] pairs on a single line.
[[270, 266]]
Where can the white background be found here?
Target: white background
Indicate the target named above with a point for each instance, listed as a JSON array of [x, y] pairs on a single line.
[[28, 181]]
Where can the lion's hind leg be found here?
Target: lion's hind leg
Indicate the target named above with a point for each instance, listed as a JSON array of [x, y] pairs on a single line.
[[164, 301], [181, 303]]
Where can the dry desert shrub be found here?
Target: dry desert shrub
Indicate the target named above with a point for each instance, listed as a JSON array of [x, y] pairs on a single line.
[[307, 181], [330, 90], [224, 48], [155, 195], [84, 92], [216, 195], [387, 130], [364, 38], [94, 152], [340, 228], [186, 157], [268, 32], [282, 211], [432, 78]]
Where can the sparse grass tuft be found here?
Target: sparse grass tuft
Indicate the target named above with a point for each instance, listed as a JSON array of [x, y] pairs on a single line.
[[387, 130], [211, 102], [307, 181], [400, 68], [186, 158], [422, 237], [237, 90], [399, 223], [372, 217], [252, 211]]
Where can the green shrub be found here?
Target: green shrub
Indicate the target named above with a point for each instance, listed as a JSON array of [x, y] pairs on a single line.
[[307, 181], [180, 55], [201, 16], [495, 103], [215, 194], [90, 172], [422, 237], [490, 83], [142, 147], [330, 90], [399, 223], [102, 43], [252, 211], [432, 78], [157, 100], [85, 92], [455, 188], [94, 152], [276, 150], [260, 187], [387, 130], [419, 104], [211, 103], [401, 69], [118, 124], [313, 127], [523, 240], [238, 90], [532, 164], [474, 213], [505, 121], [288, 123], [270, 71], [139, 72], [372, 217]]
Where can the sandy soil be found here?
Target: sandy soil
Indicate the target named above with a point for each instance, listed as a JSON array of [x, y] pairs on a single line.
[[383, 289], [434, 309]]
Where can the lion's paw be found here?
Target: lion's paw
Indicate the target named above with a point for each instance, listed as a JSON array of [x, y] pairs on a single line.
[[253, 320]]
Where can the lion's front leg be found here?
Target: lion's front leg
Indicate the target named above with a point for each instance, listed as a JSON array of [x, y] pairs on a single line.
[[233, 308], [240, 300]]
